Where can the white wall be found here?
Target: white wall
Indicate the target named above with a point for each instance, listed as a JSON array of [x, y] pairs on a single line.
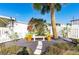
[[21, 29], [4, 37], [73, 31]]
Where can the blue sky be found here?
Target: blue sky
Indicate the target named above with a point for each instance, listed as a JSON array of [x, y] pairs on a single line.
[[23, 12]]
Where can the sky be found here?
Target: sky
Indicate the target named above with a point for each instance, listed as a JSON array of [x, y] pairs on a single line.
[[23, 12]]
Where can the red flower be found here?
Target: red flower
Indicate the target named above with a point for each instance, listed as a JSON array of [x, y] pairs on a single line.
[[29, 28]]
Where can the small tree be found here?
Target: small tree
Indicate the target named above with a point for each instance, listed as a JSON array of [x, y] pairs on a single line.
[[65, 31], [38, 26]]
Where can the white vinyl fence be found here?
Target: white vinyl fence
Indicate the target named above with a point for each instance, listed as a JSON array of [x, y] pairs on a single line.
[[4, 37]]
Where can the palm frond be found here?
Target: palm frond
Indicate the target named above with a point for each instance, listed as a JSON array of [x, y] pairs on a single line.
[[42, 7], [45, 9], [58, 6], [37, 6]]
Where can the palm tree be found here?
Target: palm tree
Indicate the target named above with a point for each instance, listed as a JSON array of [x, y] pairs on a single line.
[[49, 7]]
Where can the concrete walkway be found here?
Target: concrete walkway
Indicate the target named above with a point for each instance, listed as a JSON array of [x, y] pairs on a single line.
[[38, 50]]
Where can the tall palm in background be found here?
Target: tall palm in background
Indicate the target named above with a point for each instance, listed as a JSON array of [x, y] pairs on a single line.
[[49, 7]]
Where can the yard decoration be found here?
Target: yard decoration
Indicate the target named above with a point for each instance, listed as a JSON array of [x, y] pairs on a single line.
[[28, 37], [48, 37]]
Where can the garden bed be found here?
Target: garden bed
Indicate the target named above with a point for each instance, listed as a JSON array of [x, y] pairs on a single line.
[[62, 49]]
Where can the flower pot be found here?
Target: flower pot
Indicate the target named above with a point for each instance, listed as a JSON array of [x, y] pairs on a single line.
[[48, 37], [29, 38]]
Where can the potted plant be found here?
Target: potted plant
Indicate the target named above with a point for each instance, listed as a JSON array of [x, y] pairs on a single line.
[[48, 36], [28, 37]]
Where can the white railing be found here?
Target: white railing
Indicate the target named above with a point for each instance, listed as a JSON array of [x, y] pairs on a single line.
[[42, 37]]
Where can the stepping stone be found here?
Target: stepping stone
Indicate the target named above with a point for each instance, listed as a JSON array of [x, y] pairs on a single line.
[[40, 43], [39, 47], [37, 52]]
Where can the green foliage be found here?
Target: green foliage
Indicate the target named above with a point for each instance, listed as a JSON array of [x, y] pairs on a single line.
[[9, 50], [76, 48], [14, 36], [13, 50], [62, 49], [53, 50], [39, 26], [37, 6], [23, 52], [45, 7], [64, 46], [58, 49], [65, 31], [69, 52], [72, 51], [58, 6], [77, 40]]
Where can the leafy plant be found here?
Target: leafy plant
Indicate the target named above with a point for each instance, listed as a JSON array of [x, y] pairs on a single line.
[[9, 50], [64, 46], [38, 26], [57, 49]]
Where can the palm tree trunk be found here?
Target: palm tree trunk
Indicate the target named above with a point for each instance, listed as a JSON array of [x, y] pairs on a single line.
[[53, 22]]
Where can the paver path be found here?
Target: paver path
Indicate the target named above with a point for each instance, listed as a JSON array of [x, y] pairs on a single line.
[[38, 50]]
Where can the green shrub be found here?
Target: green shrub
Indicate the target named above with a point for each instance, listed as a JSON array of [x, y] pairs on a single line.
[[64, 46], [9, 50], [77, 40], [71, 52], [58, 49], [53, 50], [76, 48], [62, 49]]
